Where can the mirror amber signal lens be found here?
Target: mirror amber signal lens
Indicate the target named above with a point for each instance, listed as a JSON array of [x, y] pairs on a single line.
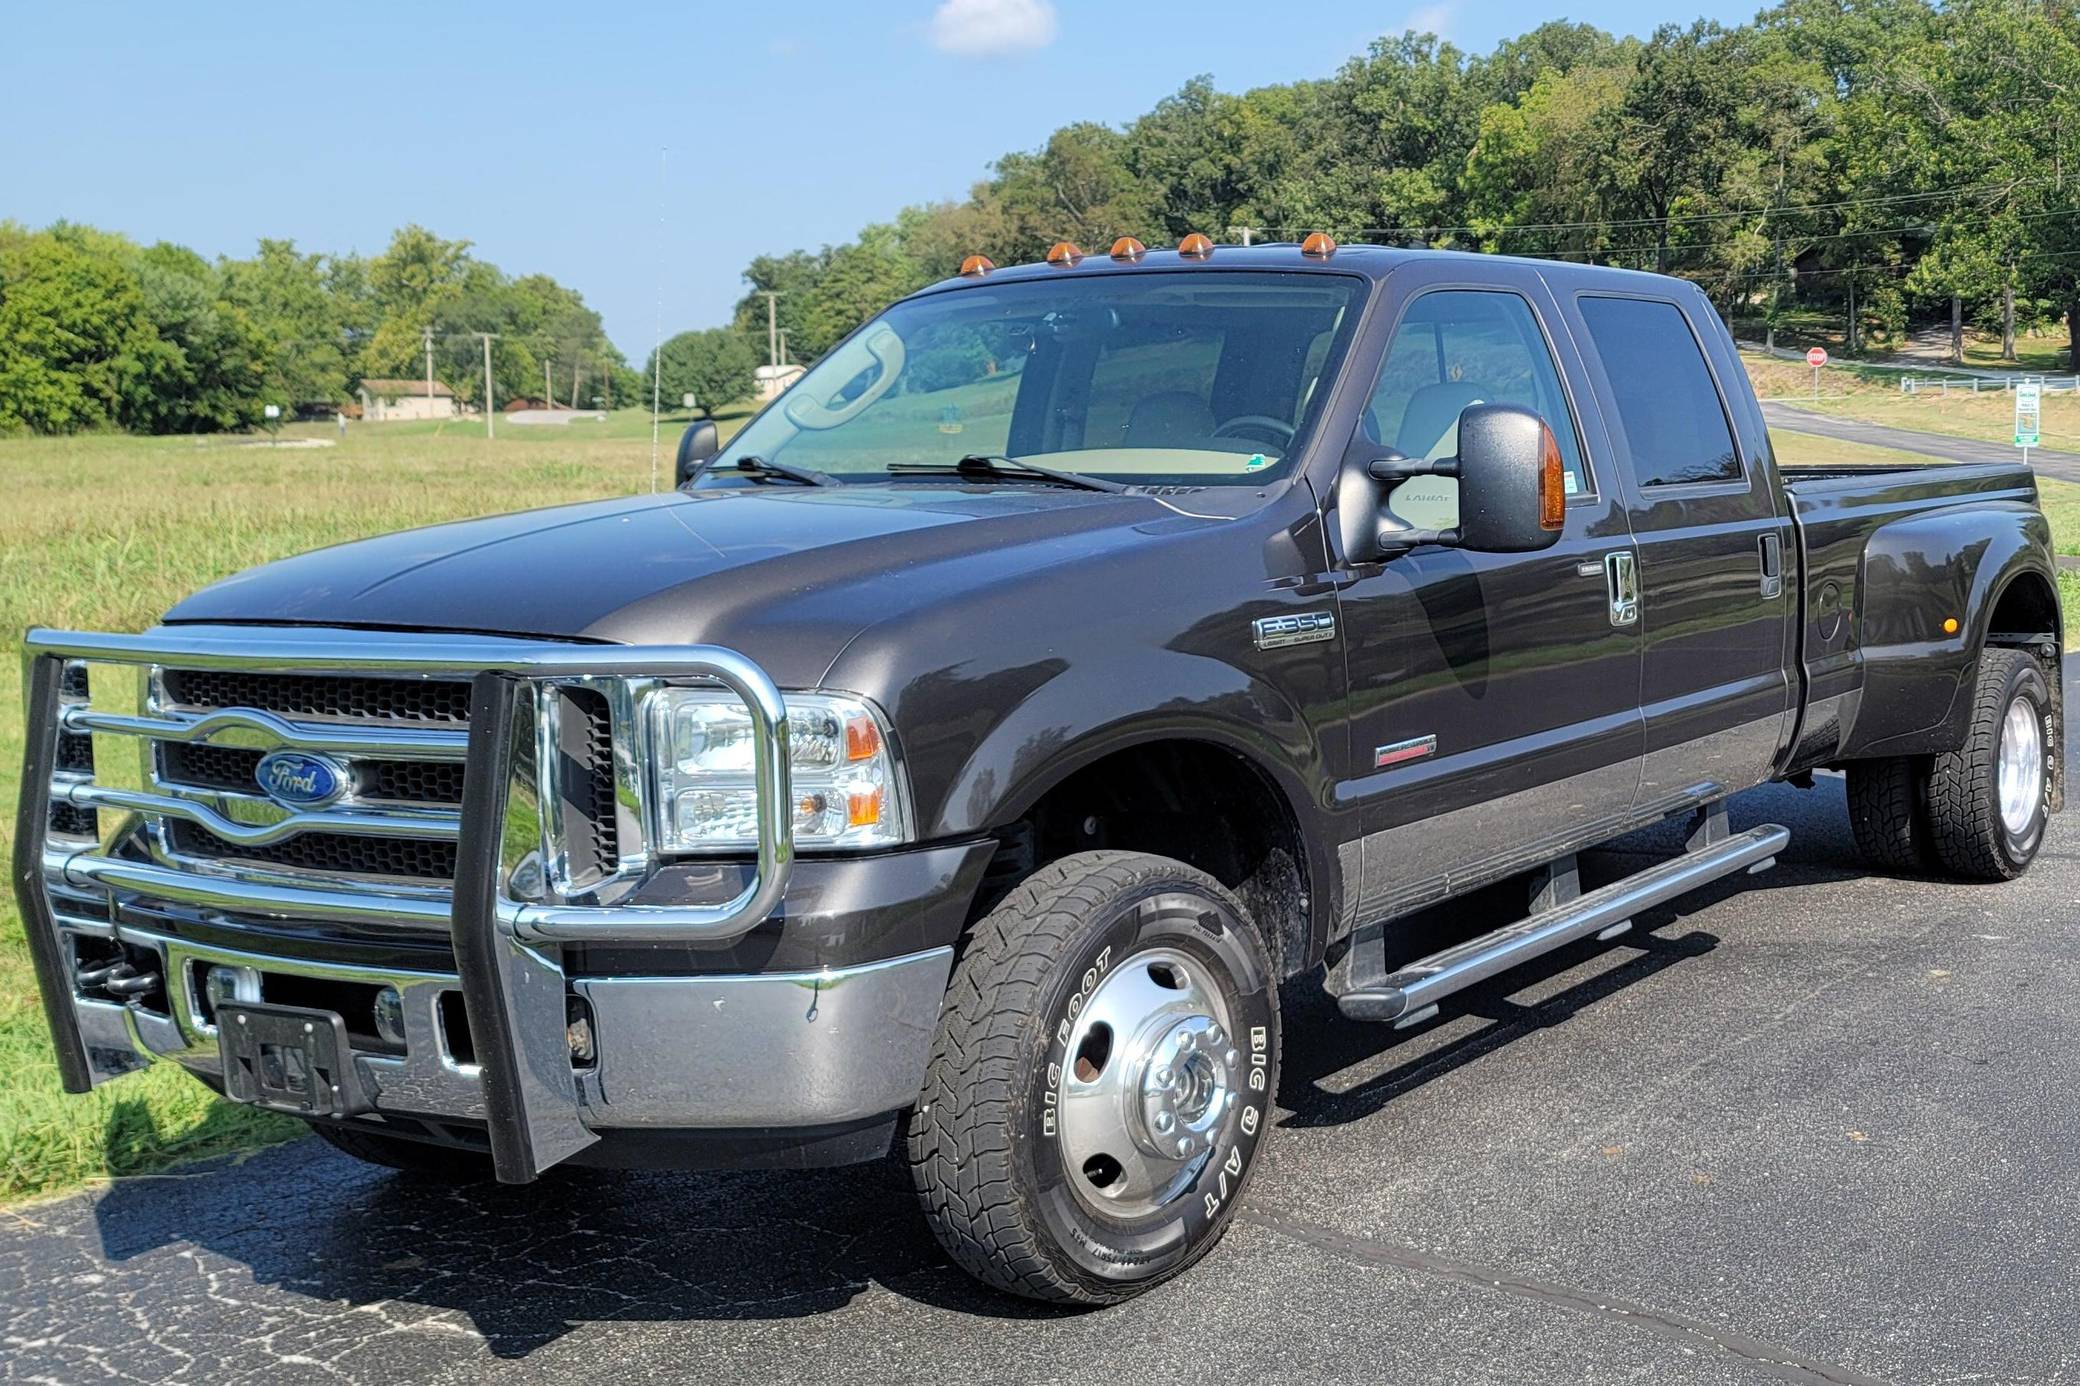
[[1320, 245], [1127, 248], [1063, 253], [1552, 482], [975, 266], [1195, 247]]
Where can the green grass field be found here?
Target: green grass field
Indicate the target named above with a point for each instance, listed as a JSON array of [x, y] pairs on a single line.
[[107, 532]]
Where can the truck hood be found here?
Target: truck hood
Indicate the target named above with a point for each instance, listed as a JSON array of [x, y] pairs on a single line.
[[786, 575]]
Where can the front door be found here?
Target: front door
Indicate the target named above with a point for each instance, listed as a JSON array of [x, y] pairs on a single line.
[[1494, 714]]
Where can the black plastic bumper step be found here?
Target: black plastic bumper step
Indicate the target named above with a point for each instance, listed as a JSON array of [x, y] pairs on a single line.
[[1411, 992]]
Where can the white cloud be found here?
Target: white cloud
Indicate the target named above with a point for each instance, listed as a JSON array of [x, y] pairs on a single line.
[[1433, 19], [988, 28]]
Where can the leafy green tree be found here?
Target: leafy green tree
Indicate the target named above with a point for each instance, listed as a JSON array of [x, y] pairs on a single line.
[[714, 364], [76, 338], [294, 302]]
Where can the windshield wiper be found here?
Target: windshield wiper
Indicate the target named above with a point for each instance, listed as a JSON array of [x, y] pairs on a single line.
[[981, 466], [756, 466]]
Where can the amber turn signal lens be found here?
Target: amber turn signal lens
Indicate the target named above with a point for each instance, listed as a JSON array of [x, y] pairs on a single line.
[[1195, 247], [1063, 253], [863, 807], [1127, 248], [975, 266], [1552, 482], [1321, 245], [862, 739]]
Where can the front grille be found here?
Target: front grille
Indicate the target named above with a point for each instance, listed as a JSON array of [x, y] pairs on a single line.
[[430, 782], [356, 698], [339, 854], [210, 767]]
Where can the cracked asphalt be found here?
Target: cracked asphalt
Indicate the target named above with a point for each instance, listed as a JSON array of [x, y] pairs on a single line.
[[1813, 1127]]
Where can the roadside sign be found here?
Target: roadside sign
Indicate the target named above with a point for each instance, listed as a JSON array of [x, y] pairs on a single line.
[[272, 411], [1817, 357], [2029, 395], [687, 399]]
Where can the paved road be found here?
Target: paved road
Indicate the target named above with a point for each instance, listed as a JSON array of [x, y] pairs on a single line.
[[1820, 1129], [1789, 417]]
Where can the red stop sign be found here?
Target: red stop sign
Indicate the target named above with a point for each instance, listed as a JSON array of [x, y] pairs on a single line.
[[1817, 357]]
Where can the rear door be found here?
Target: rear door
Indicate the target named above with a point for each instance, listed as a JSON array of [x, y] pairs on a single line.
[[1713, 547]]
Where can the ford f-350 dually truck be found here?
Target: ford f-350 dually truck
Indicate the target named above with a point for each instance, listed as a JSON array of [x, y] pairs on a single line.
[[963, 759]]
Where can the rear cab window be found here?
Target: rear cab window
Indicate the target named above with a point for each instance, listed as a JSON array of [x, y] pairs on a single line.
[[1669, 409]]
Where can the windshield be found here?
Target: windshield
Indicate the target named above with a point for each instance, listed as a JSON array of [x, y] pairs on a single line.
[[1197, 378]]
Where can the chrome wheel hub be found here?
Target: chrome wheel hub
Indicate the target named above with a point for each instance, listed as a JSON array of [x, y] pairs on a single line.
[[2019, 771], [1149, 1090]]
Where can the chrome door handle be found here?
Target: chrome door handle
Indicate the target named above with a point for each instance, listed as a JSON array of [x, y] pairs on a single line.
[[1772, 547], [1621, 580]]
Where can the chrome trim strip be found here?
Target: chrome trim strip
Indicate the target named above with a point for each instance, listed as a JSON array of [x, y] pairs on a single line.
[[84, 870], [432, 825], [346, 738]]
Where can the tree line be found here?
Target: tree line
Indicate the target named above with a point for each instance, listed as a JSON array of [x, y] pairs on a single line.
[[97, 331], [1865, 162]]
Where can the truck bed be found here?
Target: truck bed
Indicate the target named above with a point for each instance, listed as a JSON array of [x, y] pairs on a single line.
[[1867, 692]]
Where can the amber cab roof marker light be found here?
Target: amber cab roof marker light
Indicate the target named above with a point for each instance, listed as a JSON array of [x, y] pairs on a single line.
[[1320, 245], [1063, 253], [975, 266], [1127, 248], [1552, 483], [1195, 247]]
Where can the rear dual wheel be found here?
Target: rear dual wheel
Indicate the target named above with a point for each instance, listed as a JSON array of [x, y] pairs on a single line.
[[1100, 1082], [1979, 811]]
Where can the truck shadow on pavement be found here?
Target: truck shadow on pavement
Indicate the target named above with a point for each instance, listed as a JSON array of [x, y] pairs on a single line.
[[517, 1268]]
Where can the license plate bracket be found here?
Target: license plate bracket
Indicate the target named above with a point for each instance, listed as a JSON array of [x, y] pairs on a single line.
[[288, 1059]]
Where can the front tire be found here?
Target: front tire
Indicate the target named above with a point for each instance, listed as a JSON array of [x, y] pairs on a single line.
[[1100, 1082], [1988, 801], [1888, 816]]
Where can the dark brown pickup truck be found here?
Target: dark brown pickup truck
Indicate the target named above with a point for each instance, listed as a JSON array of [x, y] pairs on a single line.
[[966, 757]]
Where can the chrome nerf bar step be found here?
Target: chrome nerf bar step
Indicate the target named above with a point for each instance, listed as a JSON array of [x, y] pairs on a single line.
[[1411, 991]]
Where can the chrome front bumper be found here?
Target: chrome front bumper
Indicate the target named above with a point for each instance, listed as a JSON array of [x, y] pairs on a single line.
[[782, 1049], [787, 1049]]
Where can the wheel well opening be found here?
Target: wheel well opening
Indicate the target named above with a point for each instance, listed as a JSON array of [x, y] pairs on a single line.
[[1195, 802], [2027, 608]]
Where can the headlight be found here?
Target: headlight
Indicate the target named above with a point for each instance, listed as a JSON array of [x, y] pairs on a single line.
[[846, 792]]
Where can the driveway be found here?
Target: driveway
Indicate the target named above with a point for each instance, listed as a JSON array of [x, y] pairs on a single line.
[[1810, 1127]]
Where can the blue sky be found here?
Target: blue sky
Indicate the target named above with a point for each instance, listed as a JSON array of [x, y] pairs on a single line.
[[534, 131]]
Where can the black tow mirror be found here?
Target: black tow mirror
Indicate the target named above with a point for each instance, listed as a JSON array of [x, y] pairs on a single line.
[[1512, 489], [699, 443]]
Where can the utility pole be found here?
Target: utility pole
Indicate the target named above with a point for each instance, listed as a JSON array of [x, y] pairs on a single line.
[[548, 389], [429, 360], [1957, 328], [490, 405], [783, 347], [772, 297], [2008, 314]]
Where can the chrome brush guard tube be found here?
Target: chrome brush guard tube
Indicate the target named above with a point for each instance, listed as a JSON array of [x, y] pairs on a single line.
[[508, 911]]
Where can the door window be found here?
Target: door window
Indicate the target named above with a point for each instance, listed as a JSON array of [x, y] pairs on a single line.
[[1454, 349], [1675, 425]]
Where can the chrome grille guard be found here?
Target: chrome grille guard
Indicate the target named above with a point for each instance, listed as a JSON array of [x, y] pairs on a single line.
[[504, 918]]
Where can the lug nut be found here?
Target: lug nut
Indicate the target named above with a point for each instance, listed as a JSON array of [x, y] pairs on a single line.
[[1164, 1121], [1230, 1057], [1163, 1077], [1184, 1145], [1215, 1037]]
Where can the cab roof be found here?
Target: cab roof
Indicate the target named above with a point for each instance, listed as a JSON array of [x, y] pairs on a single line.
[[1374, 262]]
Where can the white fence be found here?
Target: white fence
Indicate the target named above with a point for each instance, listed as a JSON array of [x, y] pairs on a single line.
[[1979, 384]]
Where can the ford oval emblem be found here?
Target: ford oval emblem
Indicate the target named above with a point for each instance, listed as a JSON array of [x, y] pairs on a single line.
[[300, 780]]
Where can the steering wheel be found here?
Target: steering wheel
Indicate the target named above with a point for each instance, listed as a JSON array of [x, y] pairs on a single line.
[[1277, 432]]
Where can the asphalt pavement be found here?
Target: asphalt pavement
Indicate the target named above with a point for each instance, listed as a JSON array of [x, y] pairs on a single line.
[[1784, 416], [1814, 1126]]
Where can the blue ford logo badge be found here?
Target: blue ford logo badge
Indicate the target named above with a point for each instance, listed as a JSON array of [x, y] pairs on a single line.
[[300, 780]]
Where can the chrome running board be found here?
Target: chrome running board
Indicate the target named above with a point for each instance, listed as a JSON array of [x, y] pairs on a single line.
[[1411, 992]]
